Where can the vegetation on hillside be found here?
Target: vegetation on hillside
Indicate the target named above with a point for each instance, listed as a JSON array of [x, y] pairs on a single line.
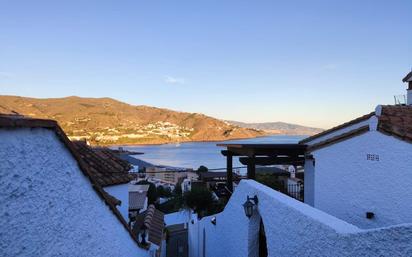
[[105, 121]]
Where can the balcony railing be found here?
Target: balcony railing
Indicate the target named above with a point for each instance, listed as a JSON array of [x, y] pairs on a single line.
[[295, 191]]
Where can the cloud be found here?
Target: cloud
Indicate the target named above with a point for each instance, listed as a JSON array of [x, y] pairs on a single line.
[[174, 80]]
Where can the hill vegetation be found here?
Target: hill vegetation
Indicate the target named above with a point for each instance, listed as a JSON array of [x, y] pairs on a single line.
[[105, 121]]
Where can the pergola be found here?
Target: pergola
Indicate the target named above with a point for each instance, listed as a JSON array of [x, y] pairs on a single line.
[[261, 154]]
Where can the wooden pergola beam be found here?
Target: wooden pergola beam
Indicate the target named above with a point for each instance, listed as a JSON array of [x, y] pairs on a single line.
[[229, 170], [261, 154], [273, 160], [251, 168]]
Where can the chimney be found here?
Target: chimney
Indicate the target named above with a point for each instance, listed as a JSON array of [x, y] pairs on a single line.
[[408, 79]]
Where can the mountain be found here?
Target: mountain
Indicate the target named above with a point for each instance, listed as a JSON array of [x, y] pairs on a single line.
[[278, 128], [105, 121]]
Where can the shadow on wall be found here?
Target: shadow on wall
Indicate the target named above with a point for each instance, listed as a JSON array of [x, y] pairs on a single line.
[[292, 228], [257, 237]]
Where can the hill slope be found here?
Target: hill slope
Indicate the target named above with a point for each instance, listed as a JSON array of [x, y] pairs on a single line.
[[107, 121], [279, 128]]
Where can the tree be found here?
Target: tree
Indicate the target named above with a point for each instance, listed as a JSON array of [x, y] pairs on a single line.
[[270, 181], [202, 169], [164, 192], [199, 199], [178, 189], [151, 193]]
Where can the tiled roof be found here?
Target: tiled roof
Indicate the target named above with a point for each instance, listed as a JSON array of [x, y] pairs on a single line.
[[153, 219], [111, 155], [105, 167], [137, 200], [16, 122], [393, 120], [396, 120]]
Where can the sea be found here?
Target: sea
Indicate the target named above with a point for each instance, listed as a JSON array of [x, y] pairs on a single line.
[[194, 154]]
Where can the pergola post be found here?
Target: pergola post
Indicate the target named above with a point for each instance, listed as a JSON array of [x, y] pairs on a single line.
[[251, 168], [229, 171]]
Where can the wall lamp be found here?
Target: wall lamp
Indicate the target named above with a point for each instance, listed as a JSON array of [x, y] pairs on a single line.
[[250, 205]]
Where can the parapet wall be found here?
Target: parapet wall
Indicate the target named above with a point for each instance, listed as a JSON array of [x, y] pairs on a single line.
[[292, 228]]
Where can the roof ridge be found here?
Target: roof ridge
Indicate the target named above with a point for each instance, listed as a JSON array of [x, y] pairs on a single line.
[[333, 129]]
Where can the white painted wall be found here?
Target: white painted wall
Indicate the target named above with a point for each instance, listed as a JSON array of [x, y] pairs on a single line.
[[292, 229], [347, 185], [182, 216], [409, 97], [121, 192], [48, 207]]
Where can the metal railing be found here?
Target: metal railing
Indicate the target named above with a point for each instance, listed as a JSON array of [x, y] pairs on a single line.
[[295, 191], [400, 99]]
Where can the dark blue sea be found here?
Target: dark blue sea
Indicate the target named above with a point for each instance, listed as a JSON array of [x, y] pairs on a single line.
[[194, 154]]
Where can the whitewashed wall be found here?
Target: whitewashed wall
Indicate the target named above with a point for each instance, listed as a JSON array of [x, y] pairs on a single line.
[[309, 181], [48, 207], [347, 185], [121, 192], [292, 229]]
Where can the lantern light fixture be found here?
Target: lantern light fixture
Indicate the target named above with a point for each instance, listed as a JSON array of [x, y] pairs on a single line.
[[250, 205]]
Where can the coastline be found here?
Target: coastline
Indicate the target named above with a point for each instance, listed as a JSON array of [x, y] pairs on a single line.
[[183, 141], [193, 141]]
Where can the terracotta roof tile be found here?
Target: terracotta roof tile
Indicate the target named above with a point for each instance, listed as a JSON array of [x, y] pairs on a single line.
[[153, 219], [396, 120], [106, 168]]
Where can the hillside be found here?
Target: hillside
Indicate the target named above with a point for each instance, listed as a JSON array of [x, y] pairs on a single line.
[[105, 121], [279, 128]]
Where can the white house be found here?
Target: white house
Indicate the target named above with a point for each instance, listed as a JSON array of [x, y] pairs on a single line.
[[50, 203], [186, 185], [138, 202], [361, 171]]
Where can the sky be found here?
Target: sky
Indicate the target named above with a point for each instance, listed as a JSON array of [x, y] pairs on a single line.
[[315, 63]]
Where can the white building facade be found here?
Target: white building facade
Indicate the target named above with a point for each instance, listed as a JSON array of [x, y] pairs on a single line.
[[360, 173]]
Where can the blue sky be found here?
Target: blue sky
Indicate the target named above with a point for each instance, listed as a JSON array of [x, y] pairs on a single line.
[[316, 63]]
